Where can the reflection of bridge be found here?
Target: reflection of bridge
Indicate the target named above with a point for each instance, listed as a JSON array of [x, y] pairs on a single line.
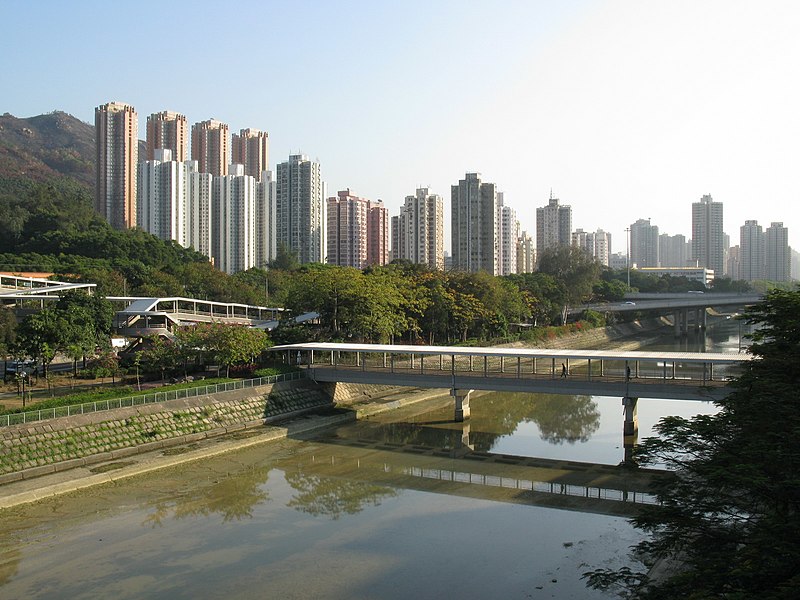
[[626, 374], [677, 304], [568, 485]]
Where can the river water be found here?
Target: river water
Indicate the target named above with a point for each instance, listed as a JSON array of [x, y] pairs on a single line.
[[359, 512]]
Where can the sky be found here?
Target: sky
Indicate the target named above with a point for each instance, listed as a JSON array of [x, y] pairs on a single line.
[[625, 109]]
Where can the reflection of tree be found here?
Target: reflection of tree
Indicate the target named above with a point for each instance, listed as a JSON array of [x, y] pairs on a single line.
[[232, 496], [559, 418], [566, 418], [333, 497], [9, 564]]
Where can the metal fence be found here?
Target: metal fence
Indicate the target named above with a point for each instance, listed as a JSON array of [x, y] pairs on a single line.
[[34, 416]]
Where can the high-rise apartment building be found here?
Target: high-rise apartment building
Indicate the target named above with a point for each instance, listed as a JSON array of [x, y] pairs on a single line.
[[251, 149], [618, 261], [508, 231], [233, 203], [265, 220], [474, 225], [553, 226], [779, 256], [168, 131], [347, 230], [597, 244], [358, 233], [673, 250], [752, 251], [733, 263], [200, 232], [526, 253], [708, 241], [377, 233], [418, 231], [300, 208], [211, 147], [161, 197], [116, 153], [644, 244]]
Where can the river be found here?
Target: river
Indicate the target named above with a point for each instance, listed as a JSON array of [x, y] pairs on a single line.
[[363, 511]]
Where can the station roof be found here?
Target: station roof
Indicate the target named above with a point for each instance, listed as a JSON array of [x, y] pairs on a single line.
[[652, 356]]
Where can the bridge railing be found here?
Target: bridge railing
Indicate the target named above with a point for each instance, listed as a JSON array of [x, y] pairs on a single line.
[[33, 416], [544, 487], [606, 369]]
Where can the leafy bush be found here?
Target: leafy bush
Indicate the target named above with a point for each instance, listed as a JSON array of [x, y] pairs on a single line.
[[272, 371]]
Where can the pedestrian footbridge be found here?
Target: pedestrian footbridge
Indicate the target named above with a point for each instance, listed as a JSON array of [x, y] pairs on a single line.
[[629, 375], [160, 316]]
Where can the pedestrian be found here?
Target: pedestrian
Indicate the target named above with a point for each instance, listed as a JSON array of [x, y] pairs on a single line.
[[563, 370], [627, 372]]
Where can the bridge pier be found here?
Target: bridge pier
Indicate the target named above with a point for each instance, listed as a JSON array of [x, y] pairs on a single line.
[[631, 423], [462, 404], [680, 320]]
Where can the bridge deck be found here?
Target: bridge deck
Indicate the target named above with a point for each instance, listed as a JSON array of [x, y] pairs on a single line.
[[681, 375]]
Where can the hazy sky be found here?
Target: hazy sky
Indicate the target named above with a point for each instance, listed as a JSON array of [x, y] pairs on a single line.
[[627, 109]]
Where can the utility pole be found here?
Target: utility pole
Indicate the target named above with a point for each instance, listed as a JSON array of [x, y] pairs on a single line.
[[628, 254]]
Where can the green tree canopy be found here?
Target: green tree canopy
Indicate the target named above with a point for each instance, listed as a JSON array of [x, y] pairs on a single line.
[[729, 523], [573, 267], [8, 330]]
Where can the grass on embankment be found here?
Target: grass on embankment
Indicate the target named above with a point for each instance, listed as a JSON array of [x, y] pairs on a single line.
[[110, 394], [127, 391]]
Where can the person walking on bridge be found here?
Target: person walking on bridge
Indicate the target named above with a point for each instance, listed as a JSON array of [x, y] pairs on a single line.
[[563, 370]]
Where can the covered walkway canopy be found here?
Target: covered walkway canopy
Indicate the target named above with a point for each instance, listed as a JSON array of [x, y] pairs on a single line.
[[654, 374]]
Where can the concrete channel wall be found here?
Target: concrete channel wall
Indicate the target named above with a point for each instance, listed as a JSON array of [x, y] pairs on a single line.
[[31, 450]]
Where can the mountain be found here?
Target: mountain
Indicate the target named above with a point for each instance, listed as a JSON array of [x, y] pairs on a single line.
[[46, 148]]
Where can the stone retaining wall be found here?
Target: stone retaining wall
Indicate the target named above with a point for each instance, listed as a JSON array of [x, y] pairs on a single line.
[[350, 393], [591, 338], [59, 444]]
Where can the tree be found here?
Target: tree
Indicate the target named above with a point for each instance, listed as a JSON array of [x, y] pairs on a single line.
[[39, 337], [574, 267], [545, 295], [729, 521], [158, 355], [93, 312], [285, 259], [8, 330], [237, 344], [229, 344]]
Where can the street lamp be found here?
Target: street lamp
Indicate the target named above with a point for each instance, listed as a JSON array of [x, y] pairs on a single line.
[[22, 376]]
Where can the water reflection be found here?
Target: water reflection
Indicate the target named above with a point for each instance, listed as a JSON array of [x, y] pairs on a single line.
[[333, 497], [233, 496], [559, 419], [9, 564]]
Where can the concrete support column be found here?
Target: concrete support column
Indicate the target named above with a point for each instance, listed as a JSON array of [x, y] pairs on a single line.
[[704, 318], [631, 423], [630, 430], [676, 322], [465, 436], [461, 398], [685, 321]]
